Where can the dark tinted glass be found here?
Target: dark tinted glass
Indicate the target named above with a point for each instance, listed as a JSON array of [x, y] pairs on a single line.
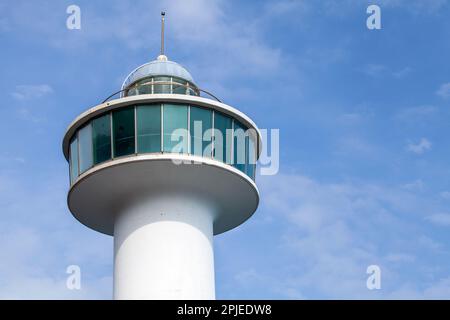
[[101, 135], [123, 132], [239, 146]]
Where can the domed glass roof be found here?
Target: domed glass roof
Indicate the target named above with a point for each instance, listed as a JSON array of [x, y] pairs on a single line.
[[159, 67]]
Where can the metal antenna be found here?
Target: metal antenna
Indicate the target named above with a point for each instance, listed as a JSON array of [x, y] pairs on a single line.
[[162, 32]]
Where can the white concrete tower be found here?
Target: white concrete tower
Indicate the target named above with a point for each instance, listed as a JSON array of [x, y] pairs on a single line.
[[162, 169]]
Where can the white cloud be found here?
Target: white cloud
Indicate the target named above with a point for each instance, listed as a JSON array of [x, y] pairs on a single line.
[[430, 244], [440, 219], [422, 7], [402, 72], [220, 45], [416, 114], [334, 231], [39, 239], [350, 118], [375, 70], [419, 148], [38, 288], [286, 7], [28, 114], [426, 6], [444, 91], [355, 146], [415, 185], [445, 195], [378, 70], [245, 277], [28, 92], [439, 290], [33, 268], [7, 158], [223, 46], [400, 258]]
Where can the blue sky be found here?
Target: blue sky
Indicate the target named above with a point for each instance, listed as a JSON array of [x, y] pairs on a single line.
[[363, 118]]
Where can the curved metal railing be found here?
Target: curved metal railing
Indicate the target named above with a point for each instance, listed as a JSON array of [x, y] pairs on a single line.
[[172, 84]]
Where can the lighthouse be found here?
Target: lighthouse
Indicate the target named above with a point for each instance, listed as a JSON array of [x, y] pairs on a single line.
[[162, 166]]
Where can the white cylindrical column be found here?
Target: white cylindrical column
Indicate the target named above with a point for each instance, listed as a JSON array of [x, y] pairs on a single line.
[[163, 249]]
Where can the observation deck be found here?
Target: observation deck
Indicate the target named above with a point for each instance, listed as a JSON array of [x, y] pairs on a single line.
[[159, 115]]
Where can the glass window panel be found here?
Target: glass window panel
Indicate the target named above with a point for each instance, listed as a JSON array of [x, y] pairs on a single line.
[[175, 117], [251, 156], [222, 144], [143, 86], [200, 121], [73, 159], [179, 89], [161, 88], [131, 92], [148, 120], [85, 148], [123, 131], [239, 146], [101, 134]]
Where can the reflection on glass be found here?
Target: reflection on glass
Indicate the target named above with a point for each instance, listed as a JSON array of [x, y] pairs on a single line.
[[131, 92], [143, 86], [171, 85], [148, 120], [222, 137], [92, 144], [161, 88], [179, 86], [175, 118], [239, 146], [101, 135], [251, 156], [85, 148], [200, 122], [123, 131], [73, 159]]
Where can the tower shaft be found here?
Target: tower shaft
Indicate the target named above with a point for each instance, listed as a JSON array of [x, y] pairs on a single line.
[[163, 249]]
